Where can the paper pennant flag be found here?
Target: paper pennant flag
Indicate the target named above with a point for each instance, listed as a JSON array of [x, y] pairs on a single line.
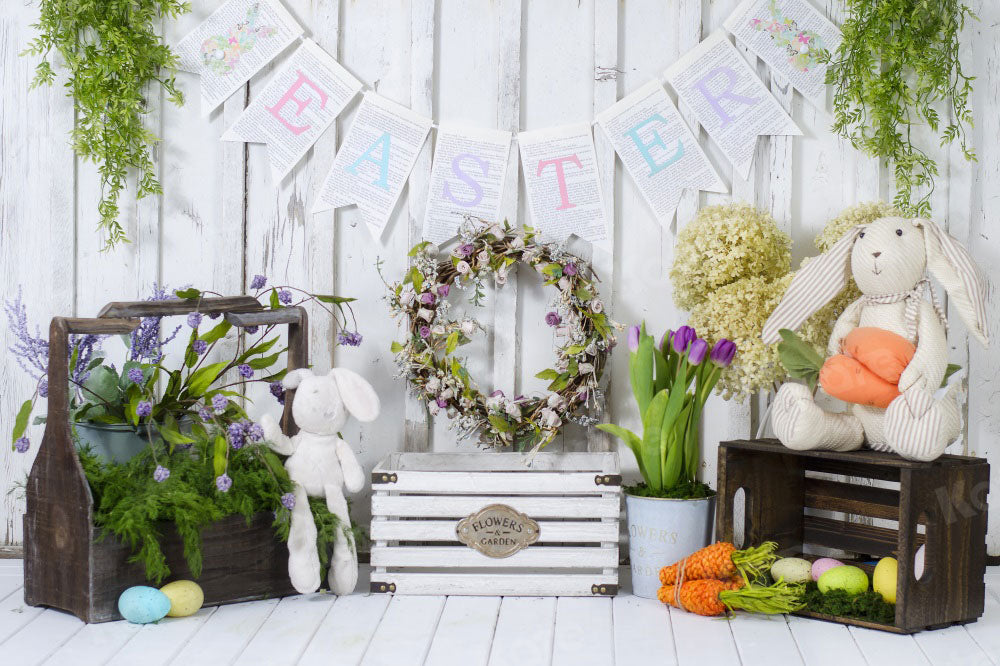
[[658, 149], [375, 160], [790, 36], [296, 107], [467, 180], [728, 99], [233, 44], [562, 183]]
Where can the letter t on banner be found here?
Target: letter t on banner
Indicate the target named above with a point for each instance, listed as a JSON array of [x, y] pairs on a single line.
[[374, 161], [296, 107], [728, 99], [562, 182], [658, 150]]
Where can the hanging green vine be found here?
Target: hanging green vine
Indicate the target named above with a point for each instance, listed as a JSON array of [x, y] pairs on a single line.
[[114, 54], [899, 59]]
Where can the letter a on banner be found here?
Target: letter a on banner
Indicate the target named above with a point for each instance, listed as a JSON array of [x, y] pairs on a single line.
[[296, 107], [562, 182], [233, 44], [467, 179], [728, 99], [658, 150], [375, 160]]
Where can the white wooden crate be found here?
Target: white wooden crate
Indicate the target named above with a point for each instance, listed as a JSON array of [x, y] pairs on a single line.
[[418, 500]]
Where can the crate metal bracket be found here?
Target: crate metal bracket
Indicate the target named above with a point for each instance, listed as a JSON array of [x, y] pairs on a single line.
[[607, 589], [377, 587], [384, 477], [608, 479]]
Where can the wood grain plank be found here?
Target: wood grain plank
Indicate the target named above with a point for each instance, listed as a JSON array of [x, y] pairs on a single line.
[[416, 506], [824, 643], [986, 631], [41, 637], [764, 639], [464, 635], [346, 631], [15, 614], [288, 630], [881, 647], [404, 635], [225, 633], [952, 646], [642, 628], [584, 632], [524, 633], [701, 642], [157, 644], [94, 644], [506, 584]]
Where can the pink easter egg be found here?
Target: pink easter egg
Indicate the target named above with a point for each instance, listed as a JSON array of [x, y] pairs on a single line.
[[822, 564]]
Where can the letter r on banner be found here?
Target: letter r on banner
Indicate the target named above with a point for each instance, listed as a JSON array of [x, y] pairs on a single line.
[[289, 96], [456, 166], [382, 163], [657, 142], [715, 99], [561, 177]]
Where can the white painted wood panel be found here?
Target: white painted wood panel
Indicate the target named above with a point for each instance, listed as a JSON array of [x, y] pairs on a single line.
[[642, 628], [537, 585], [583, 632], [507, 64], [418, 506], [404, 635], [464, 633], [463, 556], [569, 531], [525, 628], [346, 632]]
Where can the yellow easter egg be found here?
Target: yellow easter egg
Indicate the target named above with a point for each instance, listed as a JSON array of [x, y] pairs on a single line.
[[185, 597], [884, 578]]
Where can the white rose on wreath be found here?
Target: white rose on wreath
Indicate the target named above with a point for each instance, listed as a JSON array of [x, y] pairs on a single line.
[[584, 336]]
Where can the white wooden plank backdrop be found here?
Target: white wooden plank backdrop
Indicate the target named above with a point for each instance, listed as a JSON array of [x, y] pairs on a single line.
[[508, 64]]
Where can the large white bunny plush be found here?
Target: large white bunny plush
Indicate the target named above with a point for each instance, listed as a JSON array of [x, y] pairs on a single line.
[[321, 464], [887, 259]]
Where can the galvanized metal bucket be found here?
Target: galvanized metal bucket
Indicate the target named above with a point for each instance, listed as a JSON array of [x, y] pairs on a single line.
[[662, 531]]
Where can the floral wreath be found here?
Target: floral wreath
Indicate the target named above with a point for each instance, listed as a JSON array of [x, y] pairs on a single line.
[[584, 335]]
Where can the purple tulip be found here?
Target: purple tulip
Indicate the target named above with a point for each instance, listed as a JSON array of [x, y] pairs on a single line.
[[723, 353], [553, 319], [697, 351], [633, 338], [683, 337]]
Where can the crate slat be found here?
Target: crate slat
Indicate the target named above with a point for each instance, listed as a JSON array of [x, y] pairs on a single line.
[[852, 498], [533, 483], [444, 530], [463, 556], [437, 506], [564, 585], [852, 537], [500, 462]]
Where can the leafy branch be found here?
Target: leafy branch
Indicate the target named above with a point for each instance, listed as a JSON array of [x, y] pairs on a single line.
[[114, 55], [899, 60]]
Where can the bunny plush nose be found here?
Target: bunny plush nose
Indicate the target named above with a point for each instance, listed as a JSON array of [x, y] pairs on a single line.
[[876, 254]]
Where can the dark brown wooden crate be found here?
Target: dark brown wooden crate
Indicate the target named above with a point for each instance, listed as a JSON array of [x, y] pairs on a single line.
[[947, 496], [66, 566]]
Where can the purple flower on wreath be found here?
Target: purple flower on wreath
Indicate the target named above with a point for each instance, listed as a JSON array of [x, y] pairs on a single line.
[[284, 296], [161, 474], [570, 269], [349, 338], [236, 435], [425, 332], [278, 391], [205, 414], [246, 372], [135, 376], [443, 290], [496, 394], [223, 483], [441, 402], [427, 298], [219, 403], [194, 319], [143, 409], [553, 319], [465, 250], [22, 444], [199, 347], [250, 330], [255, 432], [258, 282], [288, 501]]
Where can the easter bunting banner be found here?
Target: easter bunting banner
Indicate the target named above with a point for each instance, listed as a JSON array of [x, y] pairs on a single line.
[[716, 85]]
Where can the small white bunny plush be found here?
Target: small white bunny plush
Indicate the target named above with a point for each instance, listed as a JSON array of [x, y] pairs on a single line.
[[887, 259], [321, 464]]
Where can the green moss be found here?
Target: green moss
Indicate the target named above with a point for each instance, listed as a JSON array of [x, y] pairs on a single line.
[[868, 605], [687, 490]]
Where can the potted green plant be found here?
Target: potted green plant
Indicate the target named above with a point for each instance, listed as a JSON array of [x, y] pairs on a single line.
[[670, 513]]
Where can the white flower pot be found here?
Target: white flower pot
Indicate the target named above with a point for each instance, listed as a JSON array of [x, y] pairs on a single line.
[[662, 531]]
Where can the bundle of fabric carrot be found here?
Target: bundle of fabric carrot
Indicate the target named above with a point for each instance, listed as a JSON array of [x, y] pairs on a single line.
[[719, 577]]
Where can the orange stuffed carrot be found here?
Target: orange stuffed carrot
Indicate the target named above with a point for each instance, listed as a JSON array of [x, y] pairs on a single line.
[[713, 597], [721, 560]]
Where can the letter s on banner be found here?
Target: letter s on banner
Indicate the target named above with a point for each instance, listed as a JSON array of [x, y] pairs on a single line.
[[456, 166]]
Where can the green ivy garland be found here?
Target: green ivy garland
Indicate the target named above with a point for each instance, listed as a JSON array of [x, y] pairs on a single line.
[[898, 60], [114, 53]]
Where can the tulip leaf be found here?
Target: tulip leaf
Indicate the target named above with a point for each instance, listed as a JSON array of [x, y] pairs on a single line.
[[652, 424], [630, 438]]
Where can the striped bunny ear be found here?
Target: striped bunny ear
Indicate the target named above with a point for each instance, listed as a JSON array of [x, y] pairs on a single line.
[[952, 265], [813, 286]]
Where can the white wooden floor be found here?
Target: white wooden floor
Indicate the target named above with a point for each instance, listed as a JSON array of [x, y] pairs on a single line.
[[398, 631]]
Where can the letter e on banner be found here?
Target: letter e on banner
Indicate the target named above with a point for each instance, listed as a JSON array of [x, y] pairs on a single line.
[[289, 96], [656, 142]]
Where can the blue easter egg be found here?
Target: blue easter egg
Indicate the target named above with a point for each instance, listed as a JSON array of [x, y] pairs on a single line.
[[142, 604]]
